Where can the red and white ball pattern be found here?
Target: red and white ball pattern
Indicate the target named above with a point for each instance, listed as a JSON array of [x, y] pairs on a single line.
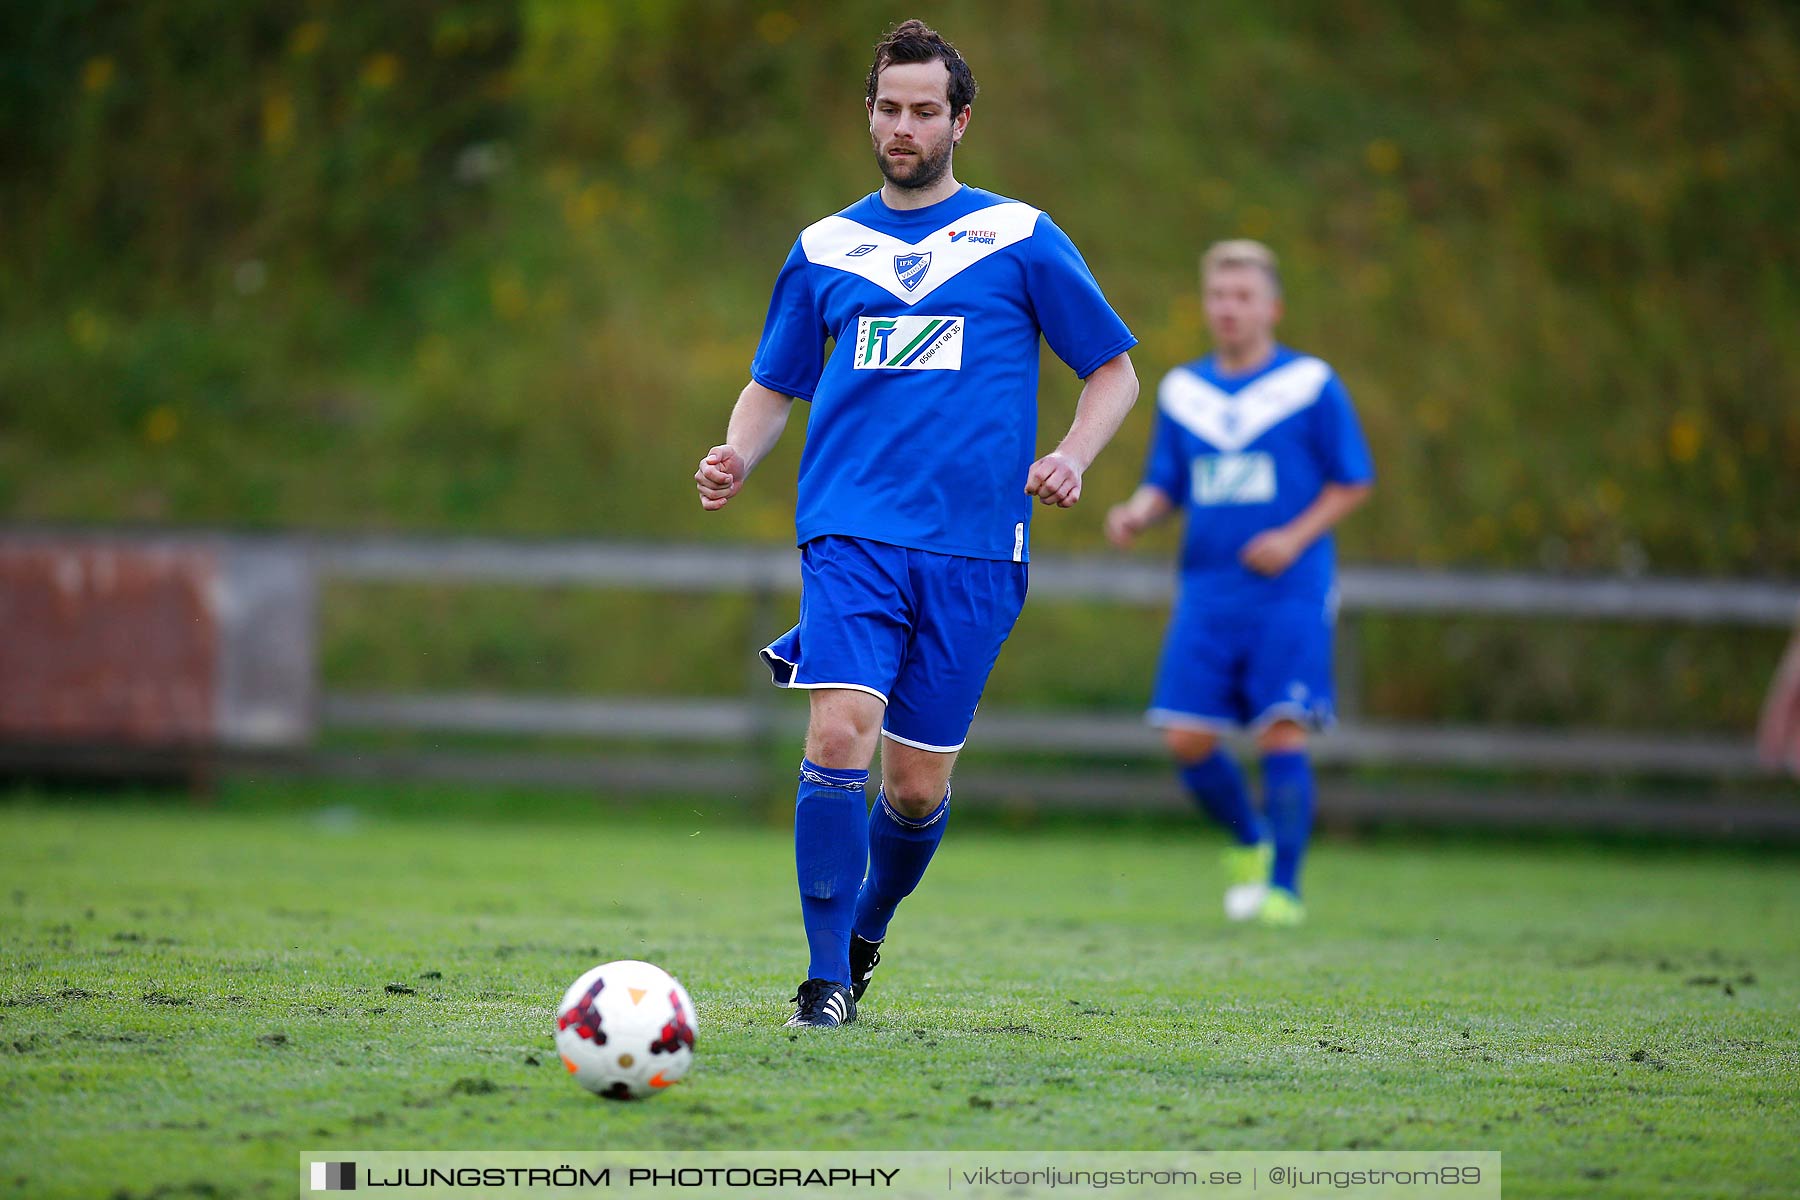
[[625, 1030]]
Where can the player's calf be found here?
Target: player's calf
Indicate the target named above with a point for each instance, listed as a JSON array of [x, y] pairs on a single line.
[[900, 848], [865, 956], [1288, 803]]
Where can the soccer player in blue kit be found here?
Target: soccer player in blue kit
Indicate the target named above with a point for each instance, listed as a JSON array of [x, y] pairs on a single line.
[[916, 486], [1262, 448]]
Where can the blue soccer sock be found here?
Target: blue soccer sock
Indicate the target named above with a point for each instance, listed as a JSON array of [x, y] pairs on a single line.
[[1217, 786], [829, 857], [1288, 798], [900, 849]]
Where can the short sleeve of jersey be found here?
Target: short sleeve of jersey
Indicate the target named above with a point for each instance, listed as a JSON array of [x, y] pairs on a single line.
[[1079, 324], [1165, 467], [791, 356], [1343, 451]]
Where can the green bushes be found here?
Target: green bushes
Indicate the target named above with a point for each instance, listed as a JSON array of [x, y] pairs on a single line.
[[500, 266], [510, 259]]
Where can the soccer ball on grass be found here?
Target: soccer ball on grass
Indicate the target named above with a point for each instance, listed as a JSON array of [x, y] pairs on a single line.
[[625, 1030]]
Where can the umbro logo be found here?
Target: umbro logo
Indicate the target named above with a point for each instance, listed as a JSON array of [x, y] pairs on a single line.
[[861, 250]]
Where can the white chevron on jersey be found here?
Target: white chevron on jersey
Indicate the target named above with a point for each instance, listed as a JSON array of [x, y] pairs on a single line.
[[1232, 421], [846, 245]]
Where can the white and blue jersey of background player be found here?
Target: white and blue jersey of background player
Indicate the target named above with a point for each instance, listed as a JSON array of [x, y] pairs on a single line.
[[911, 510], [1243, 454]]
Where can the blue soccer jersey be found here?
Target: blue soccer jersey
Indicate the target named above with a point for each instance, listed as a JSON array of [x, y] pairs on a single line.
[[1246, 453], [924, 414]]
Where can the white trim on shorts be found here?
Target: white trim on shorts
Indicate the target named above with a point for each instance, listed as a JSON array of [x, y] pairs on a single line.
[[1287, 710], [1174, 718], [890, 734], [848, 687], [1282, 710], [768, 652]]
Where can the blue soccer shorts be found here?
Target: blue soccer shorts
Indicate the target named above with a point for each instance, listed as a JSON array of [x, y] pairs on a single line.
[[1246, 668], [919, 630]]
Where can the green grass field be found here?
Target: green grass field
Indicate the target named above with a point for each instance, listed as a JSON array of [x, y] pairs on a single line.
[[190, 996]]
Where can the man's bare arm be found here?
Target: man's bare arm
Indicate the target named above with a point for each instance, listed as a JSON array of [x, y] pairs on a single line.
[[1106, 396], [757, 420], [1778, 732], [1148, 505], [1274, 550]]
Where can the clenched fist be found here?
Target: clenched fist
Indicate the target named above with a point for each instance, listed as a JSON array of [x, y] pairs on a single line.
[[720, 477], [1053, 479], [1123, 524]]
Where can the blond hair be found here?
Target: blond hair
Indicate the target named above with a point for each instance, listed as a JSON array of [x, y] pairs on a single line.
[[1241, 252]]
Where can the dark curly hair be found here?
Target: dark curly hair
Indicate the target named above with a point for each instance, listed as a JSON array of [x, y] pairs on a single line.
[[916, 42]]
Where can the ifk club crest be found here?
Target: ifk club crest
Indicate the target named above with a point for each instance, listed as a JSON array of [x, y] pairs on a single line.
[[910, 269]]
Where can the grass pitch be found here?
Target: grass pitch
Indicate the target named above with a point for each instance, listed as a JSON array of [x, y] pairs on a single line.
[[190, 997]]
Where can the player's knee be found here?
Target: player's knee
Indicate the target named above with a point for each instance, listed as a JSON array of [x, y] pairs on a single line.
[[1190, 745], [914, 799], [1281, 737], [842, 736], [915, 785], [838, 744]]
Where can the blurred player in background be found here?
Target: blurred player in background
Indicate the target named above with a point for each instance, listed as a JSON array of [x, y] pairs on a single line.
[[1778, 732], [915, 489], [1261, 446]]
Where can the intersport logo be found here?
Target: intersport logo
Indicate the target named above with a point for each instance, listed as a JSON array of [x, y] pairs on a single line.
[[909, 343]]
